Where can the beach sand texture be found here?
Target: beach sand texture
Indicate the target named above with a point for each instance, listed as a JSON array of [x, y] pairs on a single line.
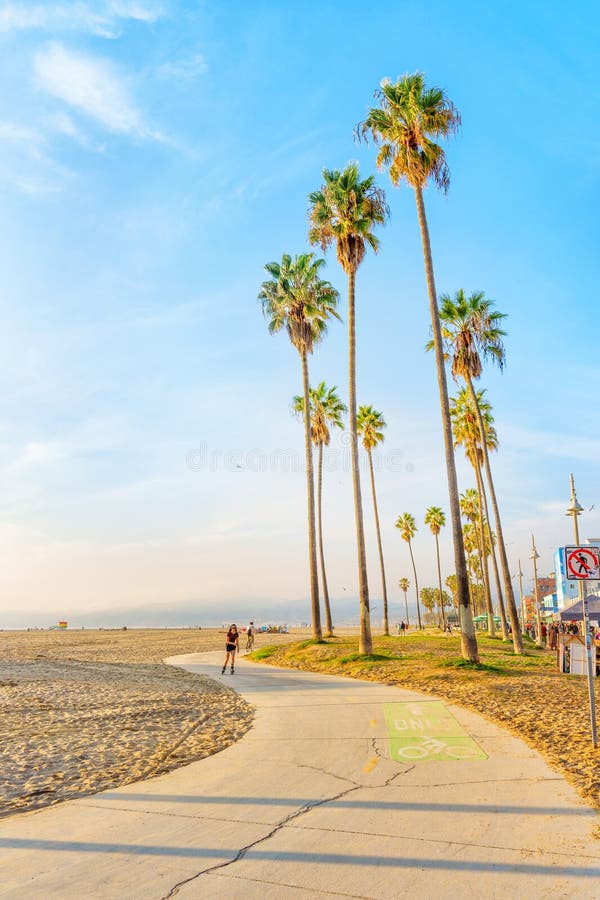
[[84, 711]]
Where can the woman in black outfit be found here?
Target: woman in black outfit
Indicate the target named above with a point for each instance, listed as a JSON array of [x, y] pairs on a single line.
[[232, 643]]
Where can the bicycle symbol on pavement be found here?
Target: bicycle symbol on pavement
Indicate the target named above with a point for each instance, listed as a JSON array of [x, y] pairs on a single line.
[[427, 731]]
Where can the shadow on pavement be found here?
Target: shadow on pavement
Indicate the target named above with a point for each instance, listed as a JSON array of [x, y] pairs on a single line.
[[396, 862]]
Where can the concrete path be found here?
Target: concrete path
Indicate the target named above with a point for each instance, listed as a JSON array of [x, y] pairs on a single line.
[[310, 805]]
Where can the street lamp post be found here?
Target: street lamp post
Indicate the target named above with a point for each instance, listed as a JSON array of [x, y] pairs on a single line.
[[536, 591], [575, 510]]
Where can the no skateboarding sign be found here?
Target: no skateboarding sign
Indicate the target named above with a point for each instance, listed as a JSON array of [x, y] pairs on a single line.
[[583, 563]]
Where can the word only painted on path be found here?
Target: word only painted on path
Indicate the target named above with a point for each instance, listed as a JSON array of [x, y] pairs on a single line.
[[427, 731]]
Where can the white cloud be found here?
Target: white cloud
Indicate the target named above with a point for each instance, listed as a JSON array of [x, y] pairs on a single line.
[[92, 86], [17, 134], [26, 166], [36, 187], [553, 444], [184, 69], [102, 19]]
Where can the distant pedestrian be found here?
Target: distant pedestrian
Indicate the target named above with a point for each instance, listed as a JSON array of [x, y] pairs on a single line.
[[232, 643], [250, 637]]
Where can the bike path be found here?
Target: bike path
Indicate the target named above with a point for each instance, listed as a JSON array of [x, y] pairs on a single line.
[[336, 791]]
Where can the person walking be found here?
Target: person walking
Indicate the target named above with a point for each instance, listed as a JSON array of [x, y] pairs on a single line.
[[232, 643], [250, 637]]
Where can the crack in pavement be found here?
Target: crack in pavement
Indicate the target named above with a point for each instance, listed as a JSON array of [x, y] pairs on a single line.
[[295, 815], [447, 842], [153, 812], [283, 884], [243, 850], [389, 782], [486, 781], [328, 773]]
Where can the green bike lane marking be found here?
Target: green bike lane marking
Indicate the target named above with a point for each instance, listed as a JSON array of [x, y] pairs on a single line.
[[427, 731]]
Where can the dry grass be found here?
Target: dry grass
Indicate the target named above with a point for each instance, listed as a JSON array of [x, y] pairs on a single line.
[[526, 694]]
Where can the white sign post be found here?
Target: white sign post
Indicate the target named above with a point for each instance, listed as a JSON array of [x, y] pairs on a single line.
[[583, 564]]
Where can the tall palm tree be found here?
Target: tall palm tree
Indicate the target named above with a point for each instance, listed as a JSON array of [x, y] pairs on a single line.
[[370, 424], [451, 583], [429, 598], [344, 212], [436, 519], [407, 125], [471, 331], [296, 298], [473, 550], [404, 585], [472, 510], [408, 528], [326, 409], [465, 427]]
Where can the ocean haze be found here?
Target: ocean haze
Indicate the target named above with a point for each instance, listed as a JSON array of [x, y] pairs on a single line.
[[183, 615]]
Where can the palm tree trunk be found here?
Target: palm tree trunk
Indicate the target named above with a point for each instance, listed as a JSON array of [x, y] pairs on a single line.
[[310, 483], [508, 590], [484, 559], [437, 552], [328, 622], [386, 627], [467, 627], [365, 642], [477, 580], [406, 605], [501, 608], [412, 559]]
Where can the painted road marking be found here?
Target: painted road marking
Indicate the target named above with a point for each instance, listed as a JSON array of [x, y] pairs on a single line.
[[370, 765], [427, 731]]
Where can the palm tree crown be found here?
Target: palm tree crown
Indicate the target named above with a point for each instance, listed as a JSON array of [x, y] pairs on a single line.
[[471, 330], [345, 211], [406, 126], [298, 299], [435, 518], [370, 424], [326, 409], [469, 504], [407, 526], [465, 425], [404, 584]]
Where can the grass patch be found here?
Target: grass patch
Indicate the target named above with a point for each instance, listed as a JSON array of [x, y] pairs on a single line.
[[365, 657], [262, 653], [461, 663]]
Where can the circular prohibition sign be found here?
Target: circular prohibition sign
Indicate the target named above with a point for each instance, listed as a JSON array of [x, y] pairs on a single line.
[[582, 563]]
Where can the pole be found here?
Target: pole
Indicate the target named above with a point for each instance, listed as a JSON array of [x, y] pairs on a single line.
[[536, 592], [575, 510], [523, 616]]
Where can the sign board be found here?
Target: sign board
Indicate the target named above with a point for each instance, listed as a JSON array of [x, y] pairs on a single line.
[[583, 563], [427, 731]]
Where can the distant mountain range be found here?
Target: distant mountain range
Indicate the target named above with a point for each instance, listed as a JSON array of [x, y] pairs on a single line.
[[202, 612]]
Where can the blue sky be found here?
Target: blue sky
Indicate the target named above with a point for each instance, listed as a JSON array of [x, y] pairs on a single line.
[[153, 156]]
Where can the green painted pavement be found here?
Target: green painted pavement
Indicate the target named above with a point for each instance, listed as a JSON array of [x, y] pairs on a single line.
[[427, 731]]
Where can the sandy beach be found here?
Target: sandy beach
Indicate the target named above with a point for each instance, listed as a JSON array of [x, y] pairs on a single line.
[[83, 711]]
